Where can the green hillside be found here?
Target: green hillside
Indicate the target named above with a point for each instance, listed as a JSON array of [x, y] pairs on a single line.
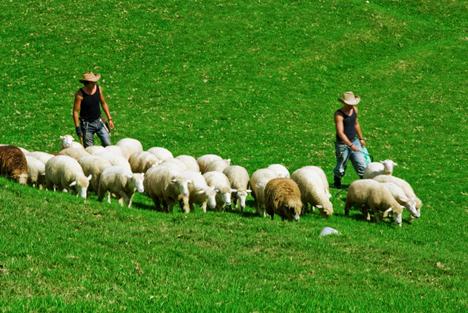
[[256, 82]]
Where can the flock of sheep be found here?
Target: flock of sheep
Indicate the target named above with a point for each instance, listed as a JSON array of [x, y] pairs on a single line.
[[209, 181]]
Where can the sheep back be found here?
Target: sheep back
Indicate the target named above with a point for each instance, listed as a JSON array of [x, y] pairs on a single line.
[[283, 197], [13, 164]]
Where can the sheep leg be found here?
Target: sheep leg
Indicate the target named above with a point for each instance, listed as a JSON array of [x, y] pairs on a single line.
[[347, 207], [109, 197], [203, 206], [130, 200]]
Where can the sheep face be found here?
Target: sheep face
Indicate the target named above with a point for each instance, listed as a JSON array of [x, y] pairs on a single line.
[[81, 186], [412, 208], [23, 178], [210, 193], [291, 210], [137, 181], [67, 141], [388, 166], [241, 197]]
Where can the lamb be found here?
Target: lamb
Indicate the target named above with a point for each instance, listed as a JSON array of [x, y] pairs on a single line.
[[400, 196], [283, 197], [165, 185], [239, 179], [258, 182], [408, 190], [13, 164], [313, 190], [161, 153], [200, 192], [129, 146], [94, 166], [41, 156], [68, 142], [121, 182], [64, 172], [371, 196], [217, 166], [378, 168], [190, 162], [76, 153], [141, 161], [206, 159], [280, 170], [36, 171], [221, 183]]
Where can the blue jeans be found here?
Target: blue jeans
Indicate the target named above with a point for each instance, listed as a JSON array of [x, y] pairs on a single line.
[[94, 127], [343, 154]]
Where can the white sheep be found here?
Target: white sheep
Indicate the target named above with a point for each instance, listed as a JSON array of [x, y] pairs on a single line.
[[129, 146], [114, 159], [217, 166], [403, 184], [239, 179], [175, 164], [400, 196], [64, 172], [206, 159], [372, 197], [36, 171], [94, 165], [258, 182], [113, 150], [313, 189], [222, 186], [67, 141], [280, 170], [141, 161], [41, 156], [161, 153], [323, 177], [121, 182], [379, 168], [166, 186], [200, 192], [74, 152], [189, 161], [94, 149]]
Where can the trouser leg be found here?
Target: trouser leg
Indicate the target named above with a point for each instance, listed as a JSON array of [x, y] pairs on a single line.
[[342, 156], [358, 160], [103, 134], [88, 134]]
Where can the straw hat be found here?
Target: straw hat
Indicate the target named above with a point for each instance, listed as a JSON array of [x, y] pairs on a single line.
[[349, 98], [90, 77]]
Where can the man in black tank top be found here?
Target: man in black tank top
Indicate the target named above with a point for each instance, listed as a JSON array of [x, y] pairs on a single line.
[[87, 112], [349, 139]]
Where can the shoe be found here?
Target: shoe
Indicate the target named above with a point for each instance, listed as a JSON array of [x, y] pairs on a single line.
[[337, 182]]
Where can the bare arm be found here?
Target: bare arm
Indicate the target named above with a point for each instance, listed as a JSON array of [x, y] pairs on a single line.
[[358, 130], [105, 107], [76, 109]]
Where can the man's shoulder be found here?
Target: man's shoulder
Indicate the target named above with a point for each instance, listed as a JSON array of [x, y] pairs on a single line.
[[79, 93]]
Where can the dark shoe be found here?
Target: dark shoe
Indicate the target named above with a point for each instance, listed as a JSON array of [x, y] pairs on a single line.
[[337, 182]]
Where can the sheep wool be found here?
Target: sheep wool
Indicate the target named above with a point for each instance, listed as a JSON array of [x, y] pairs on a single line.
[[239, 179], [283, 197], [258, 182], [13, 164]]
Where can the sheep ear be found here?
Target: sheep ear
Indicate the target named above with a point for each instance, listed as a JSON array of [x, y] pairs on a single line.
[[200, 192], [129, 176], [173, 180], [72, 184], [233, 190], [387, 212], [216, 189], [248, 191], [319, 206]]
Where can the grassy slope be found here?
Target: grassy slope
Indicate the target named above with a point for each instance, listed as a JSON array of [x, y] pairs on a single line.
[[255, 82]]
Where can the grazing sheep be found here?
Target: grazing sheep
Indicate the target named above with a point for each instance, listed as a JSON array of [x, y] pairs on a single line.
[[258, 182], [94, 149], [372, 197], [41, 156], [68, 141], [280, 170], [167, 186], [175, 164], [114, 159], [313, 189], [94, 166], [64, 172], [76, 153], [129, 146], [379, 168], [13, 164], [403, 184], [113, 150], [141, 161], [223, 187], [200, 192], [283, 197], [36, 171], [217, 166], [120, 181], [161, 153], [239, 179], [190, 162], [206, 159], [400, 196], [323, 177]]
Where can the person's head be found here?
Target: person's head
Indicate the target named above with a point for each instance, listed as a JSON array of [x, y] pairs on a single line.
[[349, 99], [89, 78]]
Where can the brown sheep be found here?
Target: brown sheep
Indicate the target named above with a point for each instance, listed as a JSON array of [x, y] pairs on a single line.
[[283, 197], [13, 164]]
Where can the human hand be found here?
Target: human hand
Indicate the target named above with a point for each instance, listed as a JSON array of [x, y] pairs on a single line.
[[354, 148], [78, 131], [362, 142], [111, 124]]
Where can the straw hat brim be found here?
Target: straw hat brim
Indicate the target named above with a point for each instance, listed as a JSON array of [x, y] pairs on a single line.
[[354, 101], [93, 79]]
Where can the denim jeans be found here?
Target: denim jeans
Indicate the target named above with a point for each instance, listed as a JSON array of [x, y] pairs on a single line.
[[94, 127], [343, 154]]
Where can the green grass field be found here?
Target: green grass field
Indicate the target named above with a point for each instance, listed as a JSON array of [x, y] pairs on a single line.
[[256, 82]]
